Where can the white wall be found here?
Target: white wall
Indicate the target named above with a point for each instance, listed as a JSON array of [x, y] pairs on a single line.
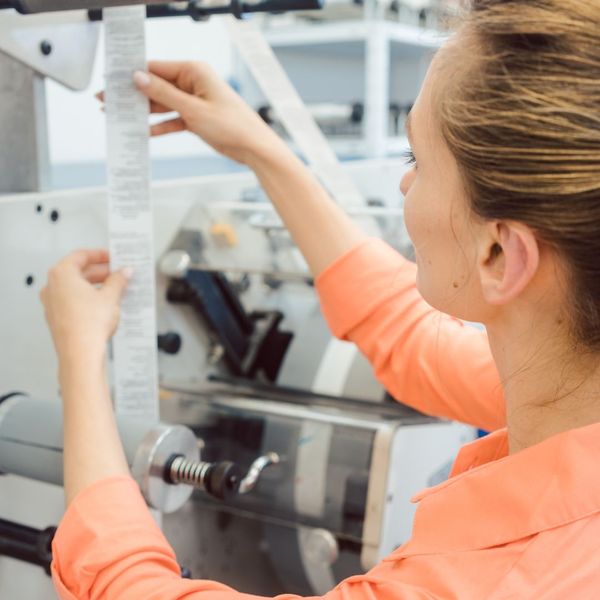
[[76, 123]]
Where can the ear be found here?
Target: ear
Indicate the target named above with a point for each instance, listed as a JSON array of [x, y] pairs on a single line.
[[508, 261]]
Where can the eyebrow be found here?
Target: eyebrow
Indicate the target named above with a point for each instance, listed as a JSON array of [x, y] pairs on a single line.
[[408, 126]]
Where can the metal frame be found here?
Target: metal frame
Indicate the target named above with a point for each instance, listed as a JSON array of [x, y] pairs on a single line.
[[60, 46], [24, 154]]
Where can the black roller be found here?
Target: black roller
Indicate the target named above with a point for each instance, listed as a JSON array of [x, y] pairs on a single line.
[[27, 544]]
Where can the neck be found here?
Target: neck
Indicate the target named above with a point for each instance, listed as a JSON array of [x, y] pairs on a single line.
[[548, 386]]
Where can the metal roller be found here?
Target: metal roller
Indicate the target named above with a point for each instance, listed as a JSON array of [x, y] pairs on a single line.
[[31, 445], [164, 459]]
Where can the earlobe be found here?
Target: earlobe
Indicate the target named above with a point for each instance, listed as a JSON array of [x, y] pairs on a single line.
[[511, 260]]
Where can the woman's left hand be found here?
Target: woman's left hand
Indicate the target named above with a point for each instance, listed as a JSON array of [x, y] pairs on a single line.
[[81, 300]]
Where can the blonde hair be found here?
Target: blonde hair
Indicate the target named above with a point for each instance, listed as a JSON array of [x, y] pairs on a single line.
[[522, 119]]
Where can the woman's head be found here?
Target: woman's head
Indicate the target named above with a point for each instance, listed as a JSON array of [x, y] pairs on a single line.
[[505, 199]]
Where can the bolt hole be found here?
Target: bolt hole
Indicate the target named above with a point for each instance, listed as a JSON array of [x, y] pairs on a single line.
[[29, 280], [39, 208], [54, 216], [45, 47]]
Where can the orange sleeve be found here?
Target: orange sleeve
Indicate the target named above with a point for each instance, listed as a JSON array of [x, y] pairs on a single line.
[[108, 547], [424, 358]]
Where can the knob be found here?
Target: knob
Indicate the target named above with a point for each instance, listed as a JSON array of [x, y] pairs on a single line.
[[223, 480], [169, 343]]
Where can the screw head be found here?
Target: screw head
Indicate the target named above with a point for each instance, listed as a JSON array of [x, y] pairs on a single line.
[[45, 47]]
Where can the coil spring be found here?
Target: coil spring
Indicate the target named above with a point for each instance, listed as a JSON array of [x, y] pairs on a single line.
[[190, 472]]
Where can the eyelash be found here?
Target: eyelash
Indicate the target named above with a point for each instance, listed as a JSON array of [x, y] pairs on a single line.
[[409, 158]]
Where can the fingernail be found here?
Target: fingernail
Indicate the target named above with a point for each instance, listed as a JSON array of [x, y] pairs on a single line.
[[127, 272], [141, 79]]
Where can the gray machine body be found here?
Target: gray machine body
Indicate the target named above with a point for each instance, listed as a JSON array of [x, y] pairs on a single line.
[[333, 506], [351, 458], [326, 415]]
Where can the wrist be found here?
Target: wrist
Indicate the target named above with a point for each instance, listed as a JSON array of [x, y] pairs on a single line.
[[268, 152], [81, 355]]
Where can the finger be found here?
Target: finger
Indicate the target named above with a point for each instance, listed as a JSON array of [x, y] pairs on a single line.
[[156, 108], [80, 259], [99, 96], [169, 70], [162, 92], [170, 126], [115, 284], [96, 273], [193, 77]]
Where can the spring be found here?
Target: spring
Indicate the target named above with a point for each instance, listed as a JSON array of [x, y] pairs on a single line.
[[190, 472]]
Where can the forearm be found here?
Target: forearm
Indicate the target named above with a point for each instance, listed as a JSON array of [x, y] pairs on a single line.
[[320, 228], [92, 447]]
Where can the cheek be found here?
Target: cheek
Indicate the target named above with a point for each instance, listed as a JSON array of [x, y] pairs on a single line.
[[415, 208], [421, 219], [441, 256], [421, 226]]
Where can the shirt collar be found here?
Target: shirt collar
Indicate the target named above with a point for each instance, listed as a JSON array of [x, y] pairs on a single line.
[[494, 498]]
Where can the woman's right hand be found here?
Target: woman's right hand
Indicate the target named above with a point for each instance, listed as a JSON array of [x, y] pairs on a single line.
[[207, 106]]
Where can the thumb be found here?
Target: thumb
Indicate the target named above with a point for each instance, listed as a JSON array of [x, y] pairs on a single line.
[[157, 89], [116, 283]]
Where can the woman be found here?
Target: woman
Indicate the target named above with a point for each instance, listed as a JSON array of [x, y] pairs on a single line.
[[503, 207]]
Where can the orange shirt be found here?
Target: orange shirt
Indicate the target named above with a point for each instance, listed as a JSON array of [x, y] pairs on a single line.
[[523, 526]]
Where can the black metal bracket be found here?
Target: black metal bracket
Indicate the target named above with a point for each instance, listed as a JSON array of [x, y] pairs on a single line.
[[251, 342], [198, 12]]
